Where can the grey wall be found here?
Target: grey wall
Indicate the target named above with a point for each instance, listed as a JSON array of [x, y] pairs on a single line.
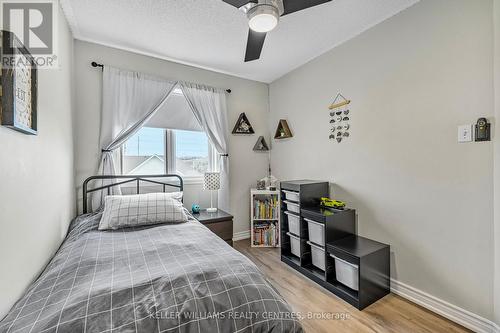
[[496, 139], [247, 96], [37, 198], [412, 79]]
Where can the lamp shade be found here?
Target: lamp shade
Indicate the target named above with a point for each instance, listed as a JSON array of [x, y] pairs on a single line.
[[211, 181]]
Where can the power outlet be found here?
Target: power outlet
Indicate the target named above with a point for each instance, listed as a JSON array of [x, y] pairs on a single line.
[[464, 133]]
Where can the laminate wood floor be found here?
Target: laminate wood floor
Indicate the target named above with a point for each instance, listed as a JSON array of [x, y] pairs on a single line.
[[390, 314]]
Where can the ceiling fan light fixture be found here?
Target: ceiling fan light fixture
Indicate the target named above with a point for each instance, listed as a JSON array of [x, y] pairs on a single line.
[[263, 18]]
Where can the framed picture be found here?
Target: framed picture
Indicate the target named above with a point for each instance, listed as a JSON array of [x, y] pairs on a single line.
[[18, 91]]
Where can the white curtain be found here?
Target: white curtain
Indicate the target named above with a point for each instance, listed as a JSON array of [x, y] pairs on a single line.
[[175, 114], [129, 100], [209, 107]]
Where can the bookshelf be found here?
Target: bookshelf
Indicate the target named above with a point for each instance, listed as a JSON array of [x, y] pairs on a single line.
[[265, 218]]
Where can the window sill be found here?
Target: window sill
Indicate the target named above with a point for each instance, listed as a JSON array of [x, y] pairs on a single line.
[[193, 180]]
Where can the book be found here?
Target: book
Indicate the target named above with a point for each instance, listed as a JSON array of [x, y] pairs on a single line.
[[266, 234], [266, 209]]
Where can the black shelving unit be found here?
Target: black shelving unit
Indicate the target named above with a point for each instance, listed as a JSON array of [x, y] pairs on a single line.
[[373, 260], [371, 257], [338, 225], [308, 193]]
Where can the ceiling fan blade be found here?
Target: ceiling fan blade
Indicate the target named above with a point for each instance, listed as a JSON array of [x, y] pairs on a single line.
[[292, 6], [254, 45], [239, 3]]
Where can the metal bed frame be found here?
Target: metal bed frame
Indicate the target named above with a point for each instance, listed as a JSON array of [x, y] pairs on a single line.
[[128, 179]]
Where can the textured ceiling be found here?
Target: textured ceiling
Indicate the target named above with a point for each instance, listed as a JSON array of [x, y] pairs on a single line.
[[211, 34]]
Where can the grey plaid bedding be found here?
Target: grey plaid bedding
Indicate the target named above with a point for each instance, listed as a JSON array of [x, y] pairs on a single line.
[[163, 278]]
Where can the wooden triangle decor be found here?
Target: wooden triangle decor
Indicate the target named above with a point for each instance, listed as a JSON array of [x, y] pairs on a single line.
[[261, 144], [283, 131], [339, 101], [243, 126]]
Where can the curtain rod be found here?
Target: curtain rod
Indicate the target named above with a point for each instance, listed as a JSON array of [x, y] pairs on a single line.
[[95, 64]]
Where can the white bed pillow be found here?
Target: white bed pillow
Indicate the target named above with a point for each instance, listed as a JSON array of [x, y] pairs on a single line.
[[122, 211]]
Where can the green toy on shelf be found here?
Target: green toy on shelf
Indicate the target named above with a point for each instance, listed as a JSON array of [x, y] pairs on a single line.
[[331, 203]]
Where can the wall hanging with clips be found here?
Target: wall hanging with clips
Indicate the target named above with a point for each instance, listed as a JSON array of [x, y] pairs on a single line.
[[340, 117]]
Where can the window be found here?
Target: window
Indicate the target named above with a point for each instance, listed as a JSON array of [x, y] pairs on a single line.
[[158, 151], [191, 153], [144, 153]]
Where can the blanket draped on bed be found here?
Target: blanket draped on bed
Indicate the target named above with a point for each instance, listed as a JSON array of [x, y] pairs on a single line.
[[166, 278]]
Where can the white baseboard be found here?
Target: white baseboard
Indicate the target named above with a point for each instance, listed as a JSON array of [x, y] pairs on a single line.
[[241, 235], [452, 312]]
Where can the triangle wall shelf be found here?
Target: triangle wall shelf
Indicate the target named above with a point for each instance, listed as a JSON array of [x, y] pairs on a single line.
[[283, 130], [261, 144], [243, 125]]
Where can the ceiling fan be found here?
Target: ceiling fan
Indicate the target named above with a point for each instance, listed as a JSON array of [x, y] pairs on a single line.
[[263, 16]]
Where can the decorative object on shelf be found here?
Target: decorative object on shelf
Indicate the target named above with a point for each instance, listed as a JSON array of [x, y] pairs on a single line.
[[339, 118], [327, 202], [261, 184], [212, 183], [195, 208], [18, 97], [269, 182], [243, 125], [283, 131], [261, 144], [265, 218]]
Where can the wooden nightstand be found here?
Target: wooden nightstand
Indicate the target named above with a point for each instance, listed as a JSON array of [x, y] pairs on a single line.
[[220, 222]]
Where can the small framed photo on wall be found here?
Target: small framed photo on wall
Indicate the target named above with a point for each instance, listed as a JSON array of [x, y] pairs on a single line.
[[18, 91]]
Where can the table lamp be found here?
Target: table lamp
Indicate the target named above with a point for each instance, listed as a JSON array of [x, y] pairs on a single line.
[[212, 183]]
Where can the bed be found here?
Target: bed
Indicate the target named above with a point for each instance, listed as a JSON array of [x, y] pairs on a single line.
[[163, 278]]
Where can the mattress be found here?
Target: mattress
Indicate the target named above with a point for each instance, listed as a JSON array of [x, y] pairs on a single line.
[[163, 278]]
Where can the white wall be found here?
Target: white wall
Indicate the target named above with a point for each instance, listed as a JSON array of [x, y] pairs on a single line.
[[247, 96], [37, 198], [496, 139], [412, 79]]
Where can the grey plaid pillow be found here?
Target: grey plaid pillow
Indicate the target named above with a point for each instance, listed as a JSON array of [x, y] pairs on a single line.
[[122, 211]]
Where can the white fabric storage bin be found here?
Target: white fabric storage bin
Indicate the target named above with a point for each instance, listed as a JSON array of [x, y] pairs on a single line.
[[291, 206], [292, 196], [294, 244], [317, 256], [293, 223], [346, 273], [316, 232]]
